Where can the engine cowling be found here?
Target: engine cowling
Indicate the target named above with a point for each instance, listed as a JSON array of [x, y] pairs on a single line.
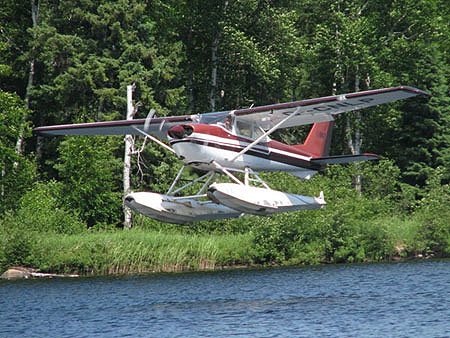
[[180, 131]]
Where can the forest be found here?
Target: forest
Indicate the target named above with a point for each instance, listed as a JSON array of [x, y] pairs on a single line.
[[67, 61]]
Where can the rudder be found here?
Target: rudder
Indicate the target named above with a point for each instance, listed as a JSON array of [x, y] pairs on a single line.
[[318, 141]]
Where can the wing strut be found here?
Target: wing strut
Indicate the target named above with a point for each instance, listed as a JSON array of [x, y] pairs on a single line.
[[154, 139]]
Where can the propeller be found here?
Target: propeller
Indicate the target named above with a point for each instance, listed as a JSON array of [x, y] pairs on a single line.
[[145, 132], [148, 119]]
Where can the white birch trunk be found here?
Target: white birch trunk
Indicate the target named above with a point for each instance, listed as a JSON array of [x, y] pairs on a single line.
[[354, 139], [215, 65], [354, 135], [127, 160], [214, 61], [35, 19], [3, 175]]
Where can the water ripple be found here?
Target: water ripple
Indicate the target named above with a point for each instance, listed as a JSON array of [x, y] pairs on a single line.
[[379, 300]]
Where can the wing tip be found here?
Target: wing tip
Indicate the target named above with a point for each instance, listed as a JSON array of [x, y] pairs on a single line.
[[372, 157], [414, 90]]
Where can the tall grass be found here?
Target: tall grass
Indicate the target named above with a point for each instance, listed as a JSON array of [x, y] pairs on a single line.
[[138, 251]]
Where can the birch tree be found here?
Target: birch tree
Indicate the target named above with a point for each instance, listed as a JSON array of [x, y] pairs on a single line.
[[127, 158]]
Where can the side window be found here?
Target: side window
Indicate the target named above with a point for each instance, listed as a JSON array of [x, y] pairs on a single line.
[[248, 129], [244, 128], [257, 131]]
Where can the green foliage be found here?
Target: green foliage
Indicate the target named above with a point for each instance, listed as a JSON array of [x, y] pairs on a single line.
[[403, 235], [15, 247], [39, 213], [40, 210], [86, 62], [345, 231], [5, 69], [433, 213], [91, 177], [16, 170], [276, 239], [153, 169]]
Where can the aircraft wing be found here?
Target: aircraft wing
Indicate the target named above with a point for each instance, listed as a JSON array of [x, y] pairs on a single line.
[[157, 126], [322, 109], [305, 112]]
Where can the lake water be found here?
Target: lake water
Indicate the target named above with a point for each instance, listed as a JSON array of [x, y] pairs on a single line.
[[376, 300]]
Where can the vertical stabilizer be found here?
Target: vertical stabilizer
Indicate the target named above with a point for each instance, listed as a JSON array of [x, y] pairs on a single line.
[[318, 141]]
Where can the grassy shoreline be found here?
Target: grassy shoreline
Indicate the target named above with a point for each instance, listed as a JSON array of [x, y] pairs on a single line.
[[149, 251], [138, 251]]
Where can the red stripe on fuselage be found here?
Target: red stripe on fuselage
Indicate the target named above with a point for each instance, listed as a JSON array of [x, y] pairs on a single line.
[[221, 132], [267, 150]]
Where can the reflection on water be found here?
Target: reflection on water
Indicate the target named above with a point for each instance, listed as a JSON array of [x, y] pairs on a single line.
[[378, 300]]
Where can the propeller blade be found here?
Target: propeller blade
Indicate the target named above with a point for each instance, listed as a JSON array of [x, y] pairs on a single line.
[[148, 119]]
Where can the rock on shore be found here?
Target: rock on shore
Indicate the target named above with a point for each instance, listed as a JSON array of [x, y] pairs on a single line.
[[20, 272]]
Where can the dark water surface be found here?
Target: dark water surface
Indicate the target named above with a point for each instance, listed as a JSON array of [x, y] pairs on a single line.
[[378, 300]]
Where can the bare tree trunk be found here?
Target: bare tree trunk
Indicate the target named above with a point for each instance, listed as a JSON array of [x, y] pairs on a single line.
[[3, 175], [337, 67], [35, 18], [35, 8], [127, 159], [354, 139], [354, 134], [215, 65], [214, 61]]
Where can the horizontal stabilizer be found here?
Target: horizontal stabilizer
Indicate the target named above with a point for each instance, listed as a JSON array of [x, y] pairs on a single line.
[[344, 159]]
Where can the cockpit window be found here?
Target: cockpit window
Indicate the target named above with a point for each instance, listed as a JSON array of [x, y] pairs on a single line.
[[244, 128], [248, 129]]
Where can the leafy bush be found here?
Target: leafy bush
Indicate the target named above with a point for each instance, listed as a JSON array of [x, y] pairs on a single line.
[[91, 178], [16, 171], [274, 239], [15, 247], [433, 213], [342, 232], [402, 234], [40, 211]]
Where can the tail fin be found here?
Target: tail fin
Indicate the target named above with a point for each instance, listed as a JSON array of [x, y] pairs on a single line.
[[318, 141]]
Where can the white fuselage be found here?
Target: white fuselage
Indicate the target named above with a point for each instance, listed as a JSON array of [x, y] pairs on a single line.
[[207, 143]]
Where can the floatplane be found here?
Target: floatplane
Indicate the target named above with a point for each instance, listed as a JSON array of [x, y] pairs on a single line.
[[237, 143]]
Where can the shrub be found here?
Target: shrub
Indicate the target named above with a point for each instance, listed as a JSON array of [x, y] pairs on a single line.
[[91, 178], [15, 247], [433, 213], [40, 211]]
